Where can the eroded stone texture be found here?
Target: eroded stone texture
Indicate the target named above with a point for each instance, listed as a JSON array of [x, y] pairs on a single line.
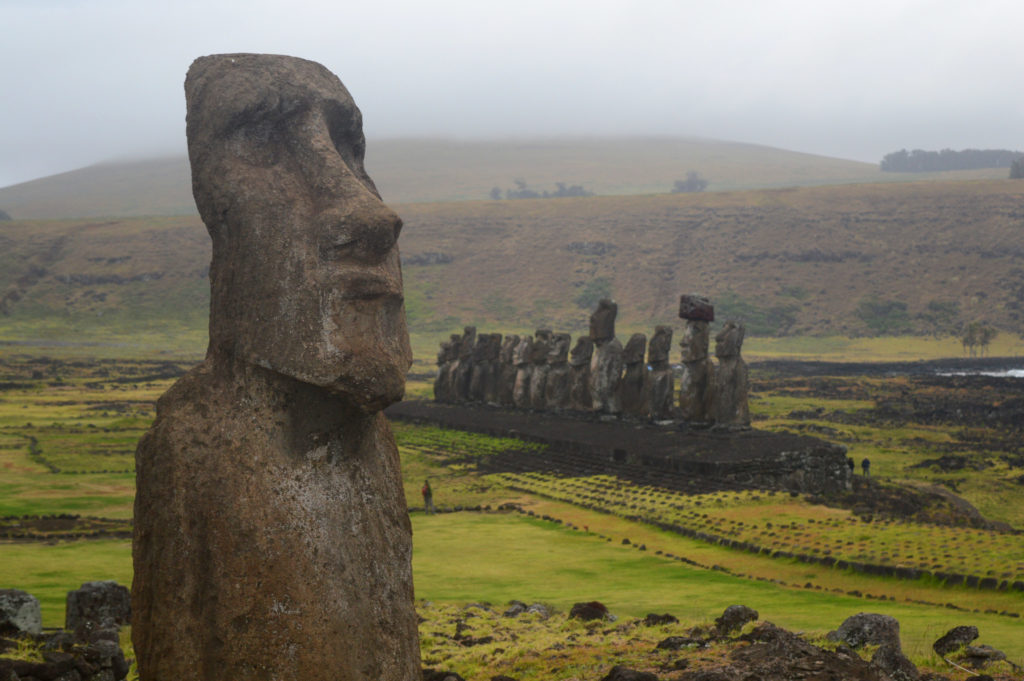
[[558, 389], [633, 386], [507, 378], [272, 540], [539, 375], [606, 362], [447, 355], [696, 385], [660, 379], [524, 369], [483, 384], [19, 613], [462, 369], [579, 370], [96, 602], [732, 383]]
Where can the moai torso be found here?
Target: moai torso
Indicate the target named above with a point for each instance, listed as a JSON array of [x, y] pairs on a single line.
[[579, 374], [462, 370], [732, 383], [539, 372], [507, 377], [661, 382], [632, 388], [558, 388], [524, 369], [696, 385], [606, 362]]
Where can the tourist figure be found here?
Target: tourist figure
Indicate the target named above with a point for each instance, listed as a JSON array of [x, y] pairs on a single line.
[[428, 498], [865, 466]]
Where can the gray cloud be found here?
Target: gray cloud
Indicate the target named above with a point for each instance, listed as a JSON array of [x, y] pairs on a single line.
[[88, 81]]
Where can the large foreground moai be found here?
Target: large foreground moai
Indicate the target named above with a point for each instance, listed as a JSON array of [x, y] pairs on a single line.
[[660, 380], [731, 381], [696, 385], [606, 362], [272, 540]]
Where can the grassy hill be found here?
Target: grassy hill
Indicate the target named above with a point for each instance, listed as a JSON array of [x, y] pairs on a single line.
[[842, 260], [428, 170]]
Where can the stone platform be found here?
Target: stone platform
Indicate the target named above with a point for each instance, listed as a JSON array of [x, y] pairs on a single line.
[[668, 455]]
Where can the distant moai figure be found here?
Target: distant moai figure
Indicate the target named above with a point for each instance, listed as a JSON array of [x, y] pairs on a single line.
[[558, 391], [483, 383], [696, 385], [606, 362], [271, 534], [492, 375], [507, 373], [524, 368], [633, 386], [446, 356], [660, 380], [732, 383], [462, 371], [539, 374], [579, 374]]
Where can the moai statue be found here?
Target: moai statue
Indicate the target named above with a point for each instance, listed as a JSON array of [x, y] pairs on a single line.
[[272, 538], [446, 358], [507, 377], [696, 386], [539, 375], [491, 378], [732, 384], [632, 388], [660, 381], [606, 362], [558, 389], [579, 370], [480, 368], [523, 359], [462, 369]]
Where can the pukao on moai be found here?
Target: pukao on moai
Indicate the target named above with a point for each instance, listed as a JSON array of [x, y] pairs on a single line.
[[632, 388], [539, 372], [558, 386], [523, 359], [446, 358], [579, 374], [606, 362], [462, 369], [660, 381], [696, 386], [272, 539], [507, 372], [732, 384]]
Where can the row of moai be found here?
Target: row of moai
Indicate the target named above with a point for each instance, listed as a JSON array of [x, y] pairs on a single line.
[[600, 375]]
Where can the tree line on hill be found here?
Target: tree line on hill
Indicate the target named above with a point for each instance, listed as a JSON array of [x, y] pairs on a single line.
[[921, 161], [693, 183]]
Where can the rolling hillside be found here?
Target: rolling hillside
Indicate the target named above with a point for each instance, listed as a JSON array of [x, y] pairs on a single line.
[[845, 260], [419, 170]]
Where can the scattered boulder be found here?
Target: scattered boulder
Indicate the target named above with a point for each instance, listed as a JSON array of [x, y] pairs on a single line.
[[95, 602], [868, 629], [891, 660], [539, 609], [620, 673], [591, 610], [655, 620], [680, 642], [955, 639], [515, 608], [440, 675], [19, 613], [979, 657], [734, 617]]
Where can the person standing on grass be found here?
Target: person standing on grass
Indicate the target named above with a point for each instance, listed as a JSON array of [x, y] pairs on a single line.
[[428, 497], [865, 466]]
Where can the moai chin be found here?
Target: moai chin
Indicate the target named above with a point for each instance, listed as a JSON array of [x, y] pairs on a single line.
[[272, 538], [732, 383], [696, 385], [606, 362], [661, 381], [633, 386]]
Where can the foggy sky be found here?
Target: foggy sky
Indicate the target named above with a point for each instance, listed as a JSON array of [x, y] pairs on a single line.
[[84, 81]]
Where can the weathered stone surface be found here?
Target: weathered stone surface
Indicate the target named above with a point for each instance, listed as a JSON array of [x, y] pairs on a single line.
[[447, 355], [462, 369], [590, 610], [542, 339], [507, 376], [732, 382], [733, 618], [866, 628], [980, 657], [891, 660], [19, 613], [696, 385], [633, 386], [579, 366], [524, 371], [272, 538], [660, 379], [606, 362], [96, 602], [559, 381], [696, 308], [623, 673], [483, 384], [955, 639]]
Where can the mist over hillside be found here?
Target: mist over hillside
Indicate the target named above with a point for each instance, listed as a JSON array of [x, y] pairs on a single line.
[[428, 170]]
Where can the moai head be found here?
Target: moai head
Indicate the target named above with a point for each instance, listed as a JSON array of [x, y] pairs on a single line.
[[454, 345], [695, 340], [633, 353], [305, 275], [660, 346], [729, 340], [541, 346], [602, 322], [468, 343], [559, 352], [582, 352], [444, 352], [508, 348], [524, 352]]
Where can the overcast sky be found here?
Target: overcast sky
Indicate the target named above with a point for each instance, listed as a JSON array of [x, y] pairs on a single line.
[[84, 81]]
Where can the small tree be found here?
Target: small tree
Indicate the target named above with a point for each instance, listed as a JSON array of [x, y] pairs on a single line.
[[692, 184], [496, 193], [976, 338], [1017, 169]]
